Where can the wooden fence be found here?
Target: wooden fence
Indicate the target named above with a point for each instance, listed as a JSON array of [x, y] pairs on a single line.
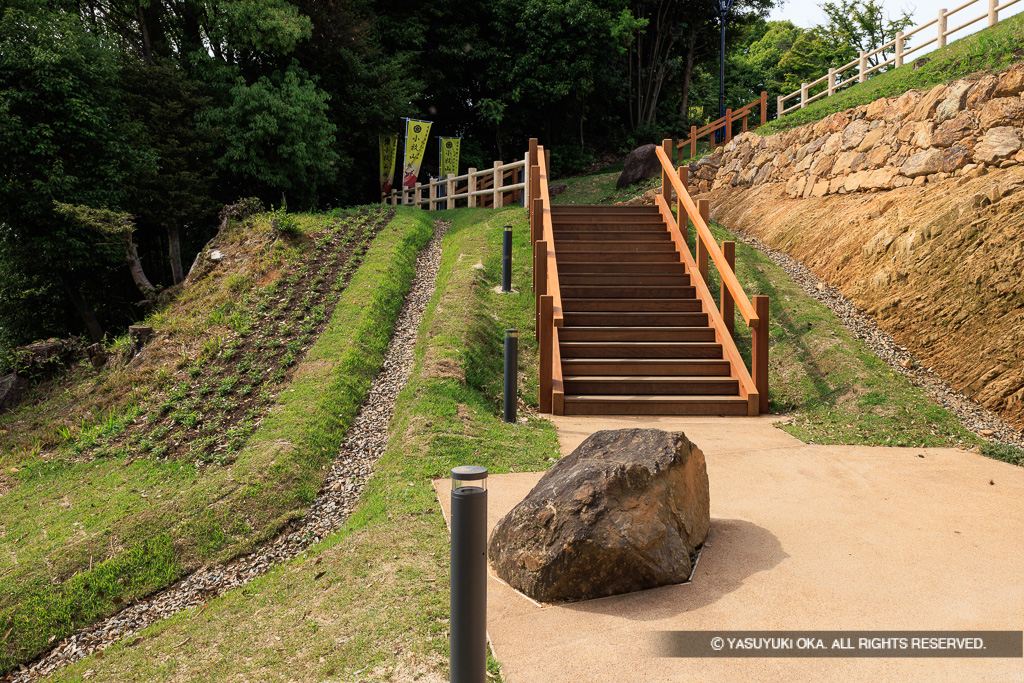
[[835, 79], [502, 185], [726, 122]]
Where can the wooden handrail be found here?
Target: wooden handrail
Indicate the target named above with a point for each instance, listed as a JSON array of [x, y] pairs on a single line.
[[548, 234], [466, 187], [747, 387], [746, 308]]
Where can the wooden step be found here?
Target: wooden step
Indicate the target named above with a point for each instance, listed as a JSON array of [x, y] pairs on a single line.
[[637, 305], [634, 319], [632, 349], [612, 236], [611, 404], [570, 247], [591, 257], [628, 292], [602, 209], [570, 266], [608, 367], [649, 385], [638, 334], [629, 225], [635, 279]]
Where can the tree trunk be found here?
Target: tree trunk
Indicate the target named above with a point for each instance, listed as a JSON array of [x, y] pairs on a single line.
[[174, 253], [83, 309], [135, 266], [691, 47]]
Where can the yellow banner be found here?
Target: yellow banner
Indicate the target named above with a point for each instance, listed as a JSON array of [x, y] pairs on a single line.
[[416, 135], [388, 156], [449, 156]]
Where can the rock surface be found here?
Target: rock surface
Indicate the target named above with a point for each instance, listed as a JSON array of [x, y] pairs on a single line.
[[621, 513], [641, 164]]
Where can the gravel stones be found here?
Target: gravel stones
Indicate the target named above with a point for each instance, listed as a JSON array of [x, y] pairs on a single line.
[[351, 469]]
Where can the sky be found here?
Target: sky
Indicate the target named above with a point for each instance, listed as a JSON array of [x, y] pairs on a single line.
[[806, 13]]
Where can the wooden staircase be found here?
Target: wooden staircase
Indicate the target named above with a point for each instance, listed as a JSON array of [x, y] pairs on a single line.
[[635, 338]]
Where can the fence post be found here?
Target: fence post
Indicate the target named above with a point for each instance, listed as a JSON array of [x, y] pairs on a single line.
[[993, 13], [394, 197], [666, 183], [831, 82], [803, 95], [449, 191], [545, 349], [540, 278], [780, 103], [728, 125], [499, 180], [899, 50], [693, 141], [704, 208], [432, 194], [526, 180], [764, 107], [862, 65], [471, 188], [682, 219], [760, 352], [942, 28], [728, 314]]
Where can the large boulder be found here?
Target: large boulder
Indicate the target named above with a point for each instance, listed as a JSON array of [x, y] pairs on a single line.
[[624, 511], [641, 164]]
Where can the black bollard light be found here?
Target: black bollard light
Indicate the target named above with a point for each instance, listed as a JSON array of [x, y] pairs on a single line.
[[468, 639], [511, 373], [506, 261]]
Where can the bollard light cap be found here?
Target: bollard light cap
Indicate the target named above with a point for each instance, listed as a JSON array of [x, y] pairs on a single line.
[[508, 227], [469, 476], [512, 332]]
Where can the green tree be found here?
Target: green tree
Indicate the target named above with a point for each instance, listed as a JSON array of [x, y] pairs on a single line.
[[862, 25], [63, 140]]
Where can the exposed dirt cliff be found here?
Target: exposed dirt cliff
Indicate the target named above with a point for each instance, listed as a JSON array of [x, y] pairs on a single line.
[[940, 266]]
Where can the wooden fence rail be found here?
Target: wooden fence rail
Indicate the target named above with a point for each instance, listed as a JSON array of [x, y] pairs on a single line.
[[753, 385], [495, 187], [726, 123], [835, 76]]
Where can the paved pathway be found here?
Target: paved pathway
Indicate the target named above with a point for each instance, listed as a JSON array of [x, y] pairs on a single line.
[[802, 538]]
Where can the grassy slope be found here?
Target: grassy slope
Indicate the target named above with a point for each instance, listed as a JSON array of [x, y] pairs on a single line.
[[154, 518], [371, 602], [991, 49]]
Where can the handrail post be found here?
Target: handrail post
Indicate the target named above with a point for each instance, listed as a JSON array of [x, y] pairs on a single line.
[[540, 278], [728, 125], [942, 28], [899, 48], [862, 64], [780, 104], [704, 208], [545, 350], [417, 195], [993, 13], [499, 178], [547, 162], [693, 141], [728, 310], [532, 159], [760, 352], [831, 82], [666, 184], [682, 220], [450, 192], [527, 197], [471, 188], [394, 197], [432, 195], [803, 95], [764, 107]]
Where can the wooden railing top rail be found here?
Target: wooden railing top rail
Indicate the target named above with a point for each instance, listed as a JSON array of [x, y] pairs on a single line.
[[743, 303], [548, 235]]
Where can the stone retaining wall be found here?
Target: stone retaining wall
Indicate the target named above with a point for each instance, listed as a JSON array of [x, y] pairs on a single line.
[[913, 139]]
